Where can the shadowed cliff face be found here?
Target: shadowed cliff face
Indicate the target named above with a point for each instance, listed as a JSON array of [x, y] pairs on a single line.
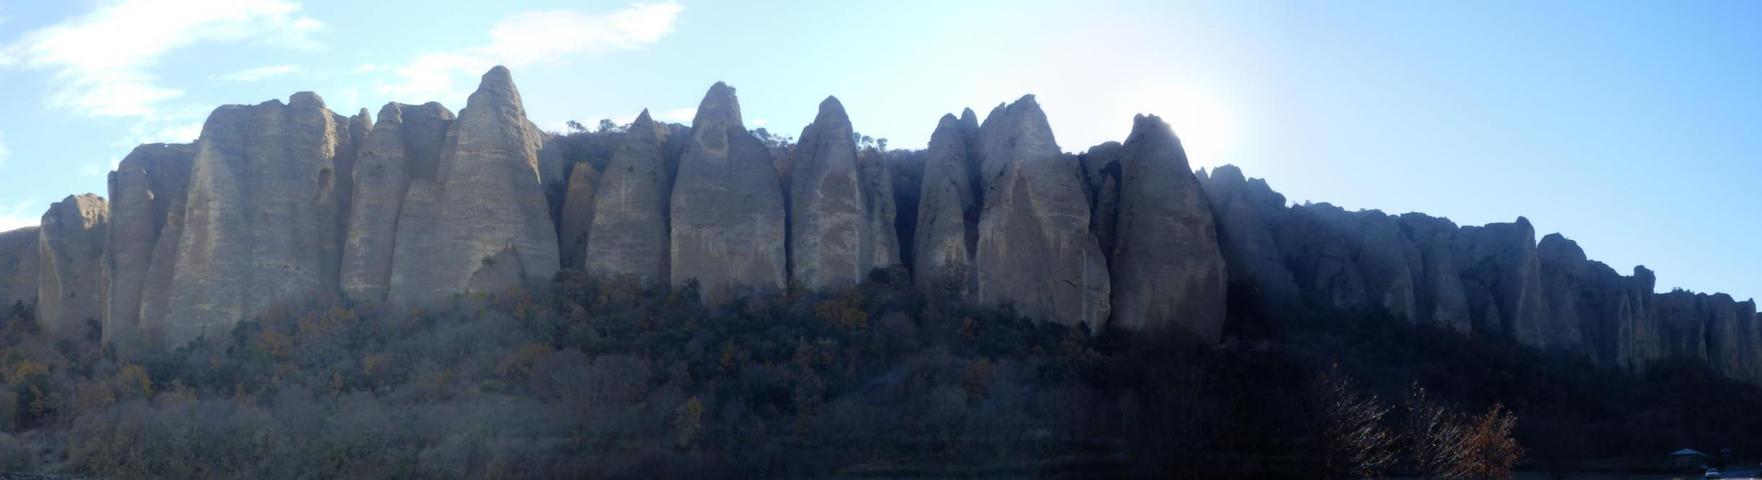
[[287, 203]]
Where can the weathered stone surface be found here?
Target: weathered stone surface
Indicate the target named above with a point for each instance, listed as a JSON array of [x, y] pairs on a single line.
[[1438, 288], [18, 267], [404, 147], [1321, 261], [1035, 250], [1167, 271], [841, 209], [948, 210], [70, 275], [147, 189], [491, 203], [261, 224], [1101, 169], [628, 236], [1245, 208], [728, 220], [577, 214], [1502, 278], [1682, 325]]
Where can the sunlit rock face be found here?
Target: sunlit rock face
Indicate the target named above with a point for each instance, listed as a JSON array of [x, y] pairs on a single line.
[[628, 234], [148, 192], [841, 206], [577, 214], [18, 267], [1035, 250], [402, 148], [262, 220], [484, 224], [70, 275], [948, 209], [728, 220], [1168, 272]]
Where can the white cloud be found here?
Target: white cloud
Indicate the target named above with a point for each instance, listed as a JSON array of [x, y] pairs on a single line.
[[26, 213], [4, 152], [531, 38], [259, 73], [678, 115], [102, 61]]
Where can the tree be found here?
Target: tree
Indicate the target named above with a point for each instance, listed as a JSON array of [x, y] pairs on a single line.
[[1489, 450], [1353, 440], [1432, 435], [576, 127], [606, 125]]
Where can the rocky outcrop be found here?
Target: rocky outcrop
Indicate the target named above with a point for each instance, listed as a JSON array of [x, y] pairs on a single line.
[[487, 206], [577, 214], [1035, 250], [18, 268], [840, 209], [1438, 291], [728, 228], [1101, 169], [70, 275], [948, 209], [1168, 273], [261, 224], [403, 148], [1502, 281], [148, 192], [1244, 208], [629, 225]]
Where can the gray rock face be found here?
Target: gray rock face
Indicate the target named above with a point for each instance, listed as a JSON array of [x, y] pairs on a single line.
[[728, 221], [1101, 169], [491, 204], [948, 210], [404, 147], [841, 209], [147, 191], [1438, 288], [1322, 262], [1167, 271], [261, 224], [629, 229], [577, 214], [70, 275], [1502, 278], [18, 267], [1035, 249], [1244, 210]]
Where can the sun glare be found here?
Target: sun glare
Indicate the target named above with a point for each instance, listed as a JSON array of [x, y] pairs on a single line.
[[1202, 119]]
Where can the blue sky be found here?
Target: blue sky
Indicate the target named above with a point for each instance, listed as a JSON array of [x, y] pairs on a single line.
[[1634, 128]]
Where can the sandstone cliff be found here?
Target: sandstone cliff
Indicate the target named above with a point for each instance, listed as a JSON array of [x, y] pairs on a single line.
[[840, 212], [70, 275], [1035, 250], [147, 193], [728, 220], [1167, 270], [484, 224], [948, 210], [402, 148], [629, 225], [18, 268]]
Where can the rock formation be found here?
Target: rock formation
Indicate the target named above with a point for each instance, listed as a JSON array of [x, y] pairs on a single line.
[[487, 206], [70, 275], [1167, 270], [403, 148], [840, 212], [577, 214], [948, 209], [1502, 281], [727, 214], [1438, 292], [18, 268], [1035, 250], [1244, 209], [260, 225], [629, 226], [148, 192]]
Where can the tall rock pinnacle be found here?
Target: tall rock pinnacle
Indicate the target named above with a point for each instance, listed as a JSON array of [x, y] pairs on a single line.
[[18, 267], [148, 193], [948, 210], [837, 233], [727, 207], [260, 227], [1035, 249], [1167, 269], [487, 221], [404, 147], [70, 279], [629, 232]]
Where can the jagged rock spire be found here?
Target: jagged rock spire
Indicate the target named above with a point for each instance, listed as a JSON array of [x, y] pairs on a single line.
[[841, 223], [1167, 271], [628, 236], [728, 220]]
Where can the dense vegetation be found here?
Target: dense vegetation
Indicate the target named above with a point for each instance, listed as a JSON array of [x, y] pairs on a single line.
[[585, 378]]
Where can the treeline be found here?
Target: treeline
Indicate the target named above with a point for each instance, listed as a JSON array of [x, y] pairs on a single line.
[[588, 378]]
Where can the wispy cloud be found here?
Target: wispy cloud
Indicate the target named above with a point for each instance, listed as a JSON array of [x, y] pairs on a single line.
[[259, 73], [5, 153], [530, 38], [102, 61], [678, 115]]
